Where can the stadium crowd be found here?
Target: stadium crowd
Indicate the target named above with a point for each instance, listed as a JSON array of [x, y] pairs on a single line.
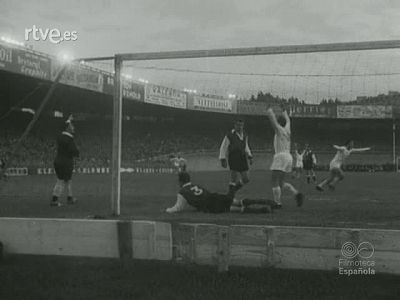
[[143, 141]]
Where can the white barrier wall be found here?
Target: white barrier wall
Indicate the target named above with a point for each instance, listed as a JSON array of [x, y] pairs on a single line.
[[92, 238], [314, 248]]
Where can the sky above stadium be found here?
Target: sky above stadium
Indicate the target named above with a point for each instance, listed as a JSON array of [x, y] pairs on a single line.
[[106, 27]]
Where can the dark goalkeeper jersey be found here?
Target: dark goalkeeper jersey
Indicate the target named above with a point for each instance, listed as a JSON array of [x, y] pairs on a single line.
[[66, 147], [195, 195]]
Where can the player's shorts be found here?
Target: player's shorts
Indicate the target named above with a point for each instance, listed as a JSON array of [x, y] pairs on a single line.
[[218, 203], [336, 171], [308, 165], [299, 165], [63, 169], [282, 161], [238, 162]]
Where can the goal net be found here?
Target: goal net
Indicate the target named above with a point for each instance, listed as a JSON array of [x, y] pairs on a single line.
[[187, 104]]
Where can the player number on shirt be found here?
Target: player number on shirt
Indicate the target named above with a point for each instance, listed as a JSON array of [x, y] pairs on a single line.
[[196, 190]]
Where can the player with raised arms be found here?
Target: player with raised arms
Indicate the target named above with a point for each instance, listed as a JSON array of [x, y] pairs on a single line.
[[335, 166], [282, 160], [235, 152]]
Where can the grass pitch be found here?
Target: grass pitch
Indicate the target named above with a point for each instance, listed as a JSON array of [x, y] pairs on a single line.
[[362, 200]]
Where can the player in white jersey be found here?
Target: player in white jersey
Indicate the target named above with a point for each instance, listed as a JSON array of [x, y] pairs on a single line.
[[282, 161], [335, 166], [179, 163], [298, 165]]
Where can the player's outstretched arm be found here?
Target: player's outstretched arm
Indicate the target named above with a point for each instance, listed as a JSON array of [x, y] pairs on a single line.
[[180, 205], [360, 149], [340, 148], [272, 119], [286, 116], [223, 150], [314, 159], [248, 152]]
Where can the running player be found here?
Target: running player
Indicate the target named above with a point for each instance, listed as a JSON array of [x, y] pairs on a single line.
[[309, 163], [235, 152], [282, 160], [192, 196], [335, 166]]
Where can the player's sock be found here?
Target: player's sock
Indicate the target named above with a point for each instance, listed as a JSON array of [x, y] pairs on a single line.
[[231, 189], [69, 189], [58, 189], [70, 197], [290, 187], [237, 209], [54, 202], [276, 191], [248, 202], [320, 186], [239, 185], [236, 203], [308, 179], [314, 178], [257, 210]]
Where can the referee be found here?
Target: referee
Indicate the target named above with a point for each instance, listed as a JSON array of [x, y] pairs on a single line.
[[64, 163], [235, 152]]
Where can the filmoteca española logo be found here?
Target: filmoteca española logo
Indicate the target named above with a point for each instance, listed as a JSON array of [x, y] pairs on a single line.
[[364, 250], [356, 259]]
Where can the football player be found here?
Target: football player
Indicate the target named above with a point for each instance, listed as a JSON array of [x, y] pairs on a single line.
[[192, 196], [298, 166], [282, 160], [64, 163], [3, 168], [335, 166], [235, 153], [309, 162], [179, 163]]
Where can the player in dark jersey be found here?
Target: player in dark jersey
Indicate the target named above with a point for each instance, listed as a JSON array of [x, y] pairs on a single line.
[[3, 169], [64, 163], [192, 196], [309, 162], [235, 152]]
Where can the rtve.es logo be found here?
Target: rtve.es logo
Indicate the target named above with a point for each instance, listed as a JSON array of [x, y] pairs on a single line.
[[54, 35]]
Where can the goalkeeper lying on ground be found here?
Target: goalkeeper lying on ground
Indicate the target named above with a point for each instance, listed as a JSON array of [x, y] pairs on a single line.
[[192, 196]]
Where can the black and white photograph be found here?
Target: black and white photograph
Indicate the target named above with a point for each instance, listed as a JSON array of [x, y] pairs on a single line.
[[199, 149]]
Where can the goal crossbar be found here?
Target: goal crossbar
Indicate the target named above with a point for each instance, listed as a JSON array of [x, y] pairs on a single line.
[[269, 50]]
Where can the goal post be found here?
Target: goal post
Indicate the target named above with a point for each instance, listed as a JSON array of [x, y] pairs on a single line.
[[289, 51], [398, 164]]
